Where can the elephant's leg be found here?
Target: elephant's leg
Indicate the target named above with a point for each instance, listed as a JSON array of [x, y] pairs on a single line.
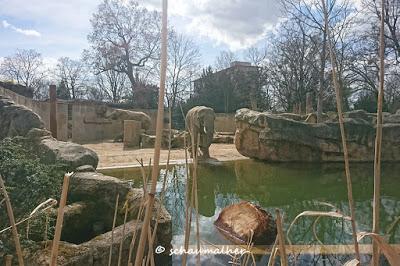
[[194, 138], [205, 152]]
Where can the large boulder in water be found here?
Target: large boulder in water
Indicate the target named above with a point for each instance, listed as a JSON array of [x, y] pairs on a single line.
[[237, 222], [273, 137]]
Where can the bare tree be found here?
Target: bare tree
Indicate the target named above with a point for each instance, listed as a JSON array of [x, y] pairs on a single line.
[[184, 57], [108, 84], [113, 85], [256, 56], [364, 64], [224, 60], [392, 23], [292, 66], [26, 68], [126, 35], [311, 14], [72, 75]]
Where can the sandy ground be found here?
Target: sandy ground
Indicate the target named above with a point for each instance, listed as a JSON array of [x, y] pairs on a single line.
[[114, 155]]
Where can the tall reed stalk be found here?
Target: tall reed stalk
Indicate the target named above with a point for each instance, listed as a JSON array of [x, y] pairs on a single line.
[[342, 133], [188, 210], [60, 219], [157, 146], [112, 230], [10, 213], [281, 239], [378, 139], [162, 194], [140, 212], [195, 147]]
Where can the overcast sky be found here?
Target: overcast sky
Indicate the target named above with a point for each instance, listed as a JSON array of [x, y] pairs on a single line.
[[58, 28]]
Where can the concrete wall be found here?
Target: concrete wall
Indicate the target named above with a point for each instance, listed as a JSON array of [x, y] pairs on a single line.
[[224, 122], [82, 124], [88, 127]]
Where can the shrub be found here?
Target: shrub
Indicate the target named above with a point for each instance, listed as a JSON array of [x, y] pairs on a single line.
[[29, 182]]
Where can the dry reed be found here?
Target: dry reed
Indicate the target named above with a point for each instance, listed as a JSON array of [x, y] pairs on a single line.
[[157, 146], [162, 195], [112, 229], [390, 253], [188, 206], [60, 219], [10, 213], [342, 133], [140, 212], [121, 243], [50, 203], [8, 260], [378, 139], [281, 238]]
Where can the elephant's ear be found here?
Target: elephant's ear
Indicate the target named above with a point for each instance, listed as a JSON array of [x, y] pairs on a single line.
[[197, 119]]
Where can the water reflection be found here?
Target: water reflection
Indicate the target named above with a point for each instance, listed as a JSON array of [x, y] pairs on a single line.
[[291, 187]]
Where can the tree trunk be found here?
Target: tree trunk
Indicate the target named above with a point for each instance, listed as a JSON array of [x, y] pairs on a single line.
[[321, 79]]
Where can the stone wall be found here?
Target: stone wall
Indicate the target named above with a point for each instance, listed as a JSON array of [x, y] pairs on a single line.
[[80, 121]]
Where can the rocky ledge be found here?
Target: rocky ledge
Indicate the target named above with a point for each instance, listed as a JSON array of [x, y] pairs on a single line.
[[19, 121], [88, 218], [282, 138], [91, 199]]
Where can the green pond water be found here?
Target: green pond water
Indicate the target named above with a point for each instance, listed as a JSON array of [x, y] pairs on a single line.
[[293, 188]]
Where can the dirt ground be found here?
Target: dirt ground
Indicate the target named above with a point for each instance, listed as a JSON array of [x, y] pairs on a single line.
[[115, 155]]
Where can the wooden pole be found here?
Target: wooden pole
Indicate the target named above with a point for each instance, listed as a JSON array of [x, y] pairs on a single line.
[[157, 146], [53, 110], [112, 230], [60, 219], [12, 223], [342, 133], [378, 140], [281, 238]]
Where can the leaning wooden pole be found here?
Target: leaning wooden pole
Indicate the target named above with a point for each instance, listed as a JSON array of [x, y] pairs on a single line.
[[343, 134], [157, 146], [378, 139], [12, 223], [60, 219]]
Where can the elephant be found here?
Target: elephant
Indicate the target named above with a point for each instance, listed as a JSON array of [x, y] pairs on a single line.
[[200, 123]]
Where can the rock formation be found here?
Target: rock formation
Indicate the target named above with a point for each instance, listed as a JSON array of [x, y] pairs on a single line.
[[275, 137], [91, 196], [121, 115], [16, 120], [94, 252]]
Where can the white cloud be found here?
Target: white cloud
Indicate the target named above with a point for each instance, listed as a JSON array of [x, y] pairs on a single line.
[[26, 32], [235, 23]]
